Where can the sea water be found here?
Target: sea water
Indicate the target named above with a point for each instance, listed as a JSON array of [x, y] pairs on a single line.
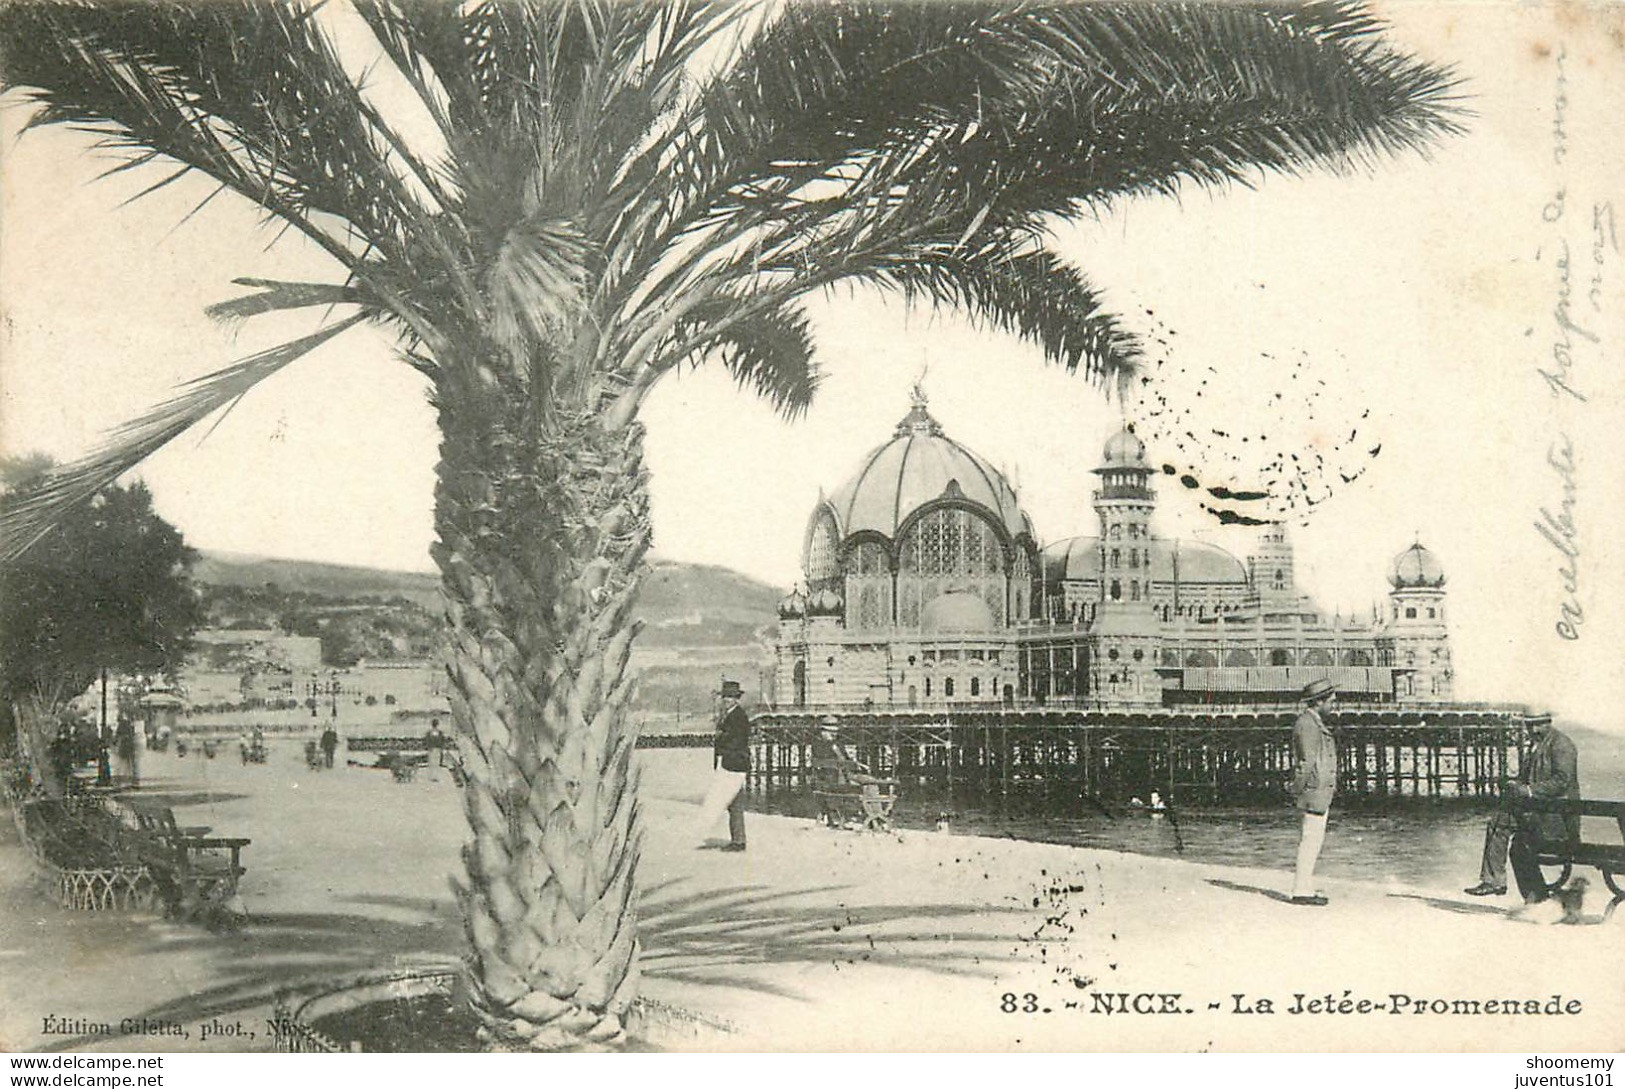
[[1414, 841]]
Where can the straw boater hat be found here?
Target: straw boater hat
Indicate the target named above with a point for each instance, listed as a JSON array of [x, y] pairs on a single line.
[[731, 689], [1317, 689]]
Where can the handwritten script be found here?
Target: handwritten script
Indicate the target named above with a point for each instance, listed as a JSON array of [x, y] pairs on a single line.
[[1580, 271]]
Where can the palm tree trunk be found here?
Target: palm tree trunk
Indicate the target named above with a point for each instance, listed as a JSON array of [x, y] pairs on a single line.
[[543, 530]]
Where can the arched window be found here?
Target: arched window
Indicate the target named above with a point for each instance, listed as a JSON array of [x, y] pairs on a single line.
[[949, 549], [948, 688], [976, 686], [1117, 590], [1280, 579], [1134, 589], [1410, 612], [1021, 585], [1117, 556], [1280, 657], [928, 688], [868, 586], [1116, 531]]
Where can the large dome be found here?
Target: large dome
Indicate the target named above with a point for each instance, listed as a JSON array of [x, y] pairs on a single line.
[[1415, 567], [1079, 559], [919, 465]]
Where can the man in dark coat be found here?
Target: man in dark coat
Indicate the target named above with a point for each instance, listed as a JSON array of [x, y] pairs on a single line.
[[831, 764], [435, 742], [1551, 770], [330, 743], [732, 753]]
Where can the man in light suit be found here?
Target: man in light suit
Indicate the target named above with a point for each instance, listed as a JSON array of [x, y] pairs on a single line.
[[1314, 781], [1551, 770]]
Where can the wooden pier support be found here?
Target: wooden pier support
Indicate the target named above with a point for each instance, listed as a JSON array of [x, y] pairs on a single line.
[[1191, 756]]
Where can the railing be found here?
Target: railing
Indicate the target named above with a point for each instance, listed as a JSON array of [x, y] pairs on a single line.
[[1028, 705]]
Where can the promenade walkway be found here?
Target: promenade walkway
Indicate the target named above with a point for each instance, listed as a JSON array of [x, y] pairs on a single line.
[[815, 939]]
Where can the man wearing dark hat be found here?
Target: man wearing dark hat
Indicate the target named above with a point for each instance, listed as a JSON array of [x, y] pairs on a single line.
[[732, 754], [1551, 770], [1314, 781]]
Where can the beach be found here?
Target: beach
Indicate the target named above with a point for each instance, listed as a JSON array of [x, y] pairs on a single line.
[[821, 939]]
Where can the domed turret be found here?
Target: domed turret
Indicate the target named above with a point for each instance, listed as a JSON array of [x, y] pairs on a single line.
[[1416, 567], [1124, 449], [793, 606]]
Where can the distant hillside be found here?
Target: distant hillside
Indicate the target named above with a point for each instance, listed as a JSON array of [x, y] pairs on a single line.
[[682, 605], [323, 579], [686, 604]]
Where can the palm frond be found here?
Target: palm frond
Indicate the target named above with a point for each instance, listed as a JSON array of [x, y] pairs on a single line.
[[250, 93], [768, 350], [536, 281], [992, 117], [23, 525], [283, 295], [1033, 295]]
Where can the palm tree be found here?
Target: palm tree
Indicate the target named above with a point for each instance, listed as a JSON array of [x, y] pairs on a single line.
[[616, 188]]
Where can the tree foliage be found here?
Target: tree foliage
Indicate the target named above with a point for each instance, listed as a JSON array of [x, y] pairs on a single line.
[[110, 590]]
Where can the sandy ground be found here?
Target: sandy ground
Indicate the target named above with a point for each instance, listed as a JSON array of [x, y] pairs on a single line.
[[816, 939]]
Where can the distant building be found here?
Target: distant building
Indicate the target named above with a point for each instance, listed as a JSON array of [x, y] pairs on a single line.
[[926, 585]]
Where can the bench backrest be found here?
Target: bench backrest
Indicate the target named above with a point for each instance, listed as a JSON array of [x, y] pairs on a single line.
[[160, 821], [1576, 808]]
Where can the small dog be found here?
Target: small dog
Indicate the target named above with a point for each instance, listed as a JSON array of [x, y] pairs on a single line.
[[1572, 898]]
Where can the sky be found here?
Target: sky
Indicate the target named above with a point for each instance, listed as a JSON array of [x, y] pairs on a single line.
[[1410, 311]]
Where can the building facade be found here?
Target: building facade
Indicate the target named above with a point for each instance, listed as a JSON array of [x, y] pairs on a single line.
[[926, 586]]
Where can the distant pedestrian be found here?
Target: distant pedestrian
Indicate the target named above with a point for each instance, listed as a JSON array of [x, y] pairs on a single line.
[[330, 744], [435, 742], [730, 760], [1314, 781]]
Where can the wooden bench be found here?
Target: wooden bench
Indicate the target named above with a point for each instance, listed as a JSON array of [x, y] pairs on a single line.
[[1606, 858], [195, 873], [841, 801]]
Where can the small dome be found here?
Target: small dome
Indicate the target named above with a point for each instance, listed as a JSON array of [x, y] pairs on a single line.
[[1416, 567], [1124, 449], [956, 610], [793, 606], [825, 603], [1078, 558]]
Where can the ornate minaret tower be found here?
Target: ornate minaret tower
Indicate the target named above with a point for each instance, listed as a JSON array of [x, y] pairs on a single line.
[[1124, 502], [1416, 635], [1269, 569], [1123, 637]]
